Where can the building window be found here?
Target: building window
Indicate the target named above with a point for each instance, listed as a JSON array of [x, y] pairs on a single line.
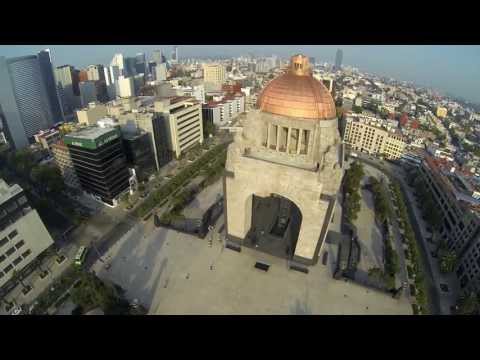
[[1, 275], [19, 244], [17, 261], [13, 234], [2, 257], [10, 251], [3, 241], [26, 253], [8, 268]]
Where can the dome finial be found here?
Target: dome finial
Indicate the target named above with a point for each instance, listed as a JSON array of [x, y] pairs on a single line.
[[299, 65]]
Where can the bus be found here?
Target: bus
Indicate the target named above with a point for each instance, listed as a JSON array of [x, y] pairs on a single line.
[[81, 255]]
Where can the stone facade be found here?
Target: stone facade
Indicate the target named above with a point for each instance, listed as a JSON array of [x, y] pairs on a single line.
[[299, 159]]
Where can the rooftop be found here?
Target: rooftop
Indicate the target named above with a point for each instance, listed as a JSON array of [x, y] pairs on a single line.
[[7, 192], [89, 133]]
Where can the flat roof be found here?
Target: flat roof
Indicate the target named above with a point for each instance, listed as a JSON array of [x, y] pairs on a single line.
[[7, 192], [90, 133], [92, 137]]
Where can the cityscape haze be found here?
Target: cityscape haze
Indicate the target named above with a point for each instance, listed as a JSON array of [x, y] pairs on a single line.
[[449, 68]]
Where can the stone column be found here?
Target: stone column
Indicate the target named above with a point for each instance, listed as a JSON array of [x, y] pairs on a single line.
[[268, 135], [288, 139], [299, 143], [279, 129]]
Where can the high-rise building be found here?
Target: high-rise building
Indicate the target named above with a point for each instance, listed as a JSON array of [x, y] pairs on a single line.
[[82, 76], [126, 87], [161, 72], [67, 80], [141, 64], [338, 59], [183, 117], [213, 75], [46, 68], [175, 54], [136, 120], [284, 173], [119, 62], [96, 72], [88, 92], [23, 236], [99, 160], [157, 57], [24, 98], [130, 67], [139, 153]]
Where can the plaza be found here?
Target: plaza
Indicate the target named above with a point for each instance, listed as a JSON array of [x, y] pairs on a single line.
[[176, 273]]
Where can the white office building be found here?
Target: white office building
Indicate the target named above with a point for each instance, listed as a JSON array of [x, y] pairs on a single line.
[[23, 236]]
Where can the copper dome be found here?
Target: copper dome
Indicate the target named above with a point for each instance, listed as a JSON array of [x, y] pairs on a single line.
[[297, 94]]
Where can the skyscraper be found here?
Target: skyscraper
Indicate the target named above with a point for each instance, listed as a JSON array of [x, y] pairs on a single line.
[[175, 54], [141, 64], [49, 80], [338, 59], [157, 56], [24, 98], [67, 80], [95, 72], [130, 67]]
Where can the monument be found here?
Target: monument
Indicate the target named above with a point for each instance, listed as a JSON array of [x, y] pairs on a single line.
[[284, 169]]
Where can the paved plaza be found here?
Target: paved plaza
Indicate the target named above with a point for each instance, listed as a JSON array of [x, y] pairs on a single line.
[[175, 273]]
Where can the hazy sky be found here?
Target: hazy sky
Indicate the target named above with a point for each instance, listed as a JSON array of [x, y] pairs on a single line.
[[454, 69]]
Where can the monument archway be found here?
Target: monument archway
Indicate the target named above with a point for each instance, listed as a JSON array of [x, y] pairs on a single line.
[[274, 225]]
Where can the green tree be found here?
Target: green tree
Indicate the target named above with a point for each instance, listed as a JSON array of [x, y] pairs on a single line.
[[357, 109], [468, 305], [91, 292], [448, 261]]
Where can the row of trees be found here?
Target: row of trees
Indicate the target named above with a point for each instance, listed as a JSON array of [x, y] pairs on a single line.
[[428, 204], [352, 199], [413, 252], [47, 180], [185, 175], [380, 198]]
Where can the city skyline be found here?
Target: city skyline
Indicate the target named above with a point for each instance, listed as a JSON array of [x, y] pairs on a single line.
[[449, 69]]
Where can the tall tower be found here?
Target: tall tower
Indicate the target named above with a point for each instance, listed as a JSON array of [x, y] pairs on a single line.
[[283, 171], [46, 69], [24, 98], [338, 59]]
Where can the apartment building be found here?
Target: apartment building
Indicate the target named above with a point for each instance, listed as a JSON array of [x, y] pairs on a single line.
[[367, 135], [214, 75], [183, 116], [459, 205], [23, 236], [63, 160], [225, 110]]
